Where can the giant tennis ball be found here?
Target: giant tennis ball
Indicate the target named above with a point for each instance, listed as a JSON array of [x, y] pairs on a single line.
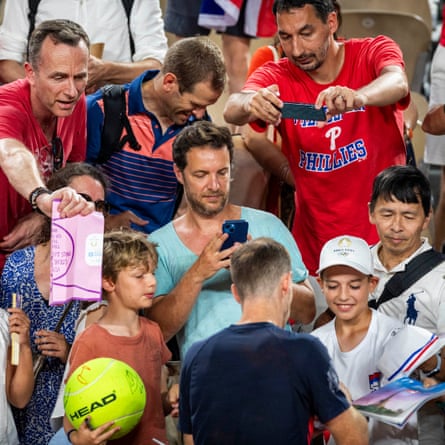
[[105, 389]]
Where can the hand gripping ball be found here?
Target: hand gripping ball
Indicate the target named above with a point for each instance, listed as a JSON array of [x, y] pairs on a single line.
[[106, 390]]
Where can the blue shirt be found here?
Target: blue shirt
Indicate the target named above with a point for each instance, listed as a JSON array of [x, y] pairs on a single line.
[[257, 384], [142, 181]]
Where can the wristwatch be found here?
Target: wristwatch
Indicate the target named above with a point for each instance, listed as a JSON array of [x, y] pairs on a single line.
[[35, 194], [437, 368]]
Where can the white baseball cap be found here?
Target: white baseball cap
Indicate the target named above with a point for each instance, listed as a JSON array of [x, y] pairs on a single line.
[[347, 250]]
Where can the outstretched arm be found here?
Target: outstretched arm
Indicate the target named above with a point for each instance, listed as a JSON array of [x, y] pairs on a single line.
[[248, 106], [20, 167], [172, 310], [388, 88], [102, 72]]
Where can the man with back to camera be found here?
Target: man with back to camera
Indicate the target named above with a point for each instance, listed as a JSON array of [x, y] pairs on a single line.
[[362, 86], [255, 382], [42, 126]]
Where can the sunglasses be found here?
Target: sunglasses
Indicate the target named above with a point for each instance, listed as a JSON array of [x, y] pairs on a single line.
[[57, 152], [100, 204]]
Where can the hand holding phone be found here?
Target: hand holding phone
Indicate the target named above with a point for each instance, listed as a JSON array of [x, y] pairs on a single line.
[[237, 231]]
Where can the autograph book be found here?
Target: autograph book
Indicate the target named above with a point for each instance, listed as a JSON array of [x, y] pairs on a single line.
[[395, 402]]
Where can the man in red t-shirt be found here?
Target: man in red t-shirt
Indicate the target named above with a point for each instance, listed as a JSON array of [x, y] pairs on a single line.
[[42, 126], [362, 86]]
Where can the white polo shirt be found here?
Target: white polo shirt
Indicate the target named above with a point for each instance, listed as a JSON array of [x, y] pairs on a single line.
[[423, 304]]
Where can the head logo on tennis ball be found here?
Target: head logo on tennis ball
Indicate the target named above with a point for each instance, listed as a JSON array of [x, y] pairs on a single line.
[[106, 390], [84, 411]]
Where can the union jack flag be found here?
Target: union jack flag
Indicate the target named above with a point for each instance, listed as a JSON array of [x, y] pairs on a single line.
[[219, 14]]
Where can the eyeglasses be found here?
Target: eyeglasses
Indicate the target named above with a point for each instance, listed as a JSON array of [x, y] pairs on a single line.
[[57, 152], [100, 204]]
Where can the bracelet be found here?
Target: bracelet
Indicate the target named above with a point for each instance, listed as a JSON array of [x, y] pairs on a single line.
[[35, 194], [68, 434], [437, 368]]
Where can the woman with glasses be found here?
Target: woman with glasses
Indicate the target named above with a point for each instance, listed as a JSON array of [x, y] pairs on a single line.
[[27, 273]]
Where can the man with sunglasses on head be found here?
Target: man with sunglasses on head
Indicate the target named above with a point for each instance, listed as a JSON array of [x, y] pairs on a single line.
[[42, 126]]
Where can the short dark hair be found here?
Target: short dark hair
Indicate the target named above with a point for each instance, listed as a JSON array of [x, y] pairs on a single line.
[[62, 178], [124, 248], [322, 7], [59, 31], [404, 183], [193, 60], [199, 134], [258, 265]]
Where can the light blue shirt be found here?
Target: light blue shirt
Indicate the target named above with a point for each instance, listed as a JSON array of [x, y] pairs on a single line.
[[215, 307]]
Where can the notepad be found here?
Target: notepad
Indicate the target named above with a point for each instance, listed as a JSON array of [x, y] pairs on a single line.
[[76, 257]]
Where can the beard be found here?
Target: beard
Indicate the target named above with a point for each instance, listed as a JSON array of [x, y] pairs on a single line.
[[308, 67], [203, 209]]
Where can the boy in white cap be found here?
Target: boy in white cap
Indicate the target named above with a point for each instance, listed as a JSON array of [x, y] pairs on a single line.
[[360, 340]]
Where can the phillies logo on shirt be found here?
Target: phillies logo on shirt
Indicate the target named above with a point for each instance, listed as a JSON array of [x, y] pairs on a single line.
[[342, 157], [374, 381]]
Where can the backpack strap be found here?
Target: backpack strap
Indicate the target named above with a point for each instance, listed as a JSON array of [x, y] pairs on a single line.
[[115, 120], [32, 6], [414, 270], [128, 4]]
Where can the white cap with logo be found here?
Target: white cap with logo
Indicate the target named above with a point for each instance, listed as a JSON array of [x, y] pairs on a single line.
[[347, 250]]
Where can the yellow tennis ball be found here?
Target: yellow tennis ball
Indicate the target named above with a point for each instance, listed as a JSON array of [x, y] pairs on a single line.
[[106, 390]]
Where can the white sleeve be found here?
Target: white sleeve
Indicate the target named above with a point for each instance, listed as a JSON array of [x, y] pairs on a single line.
[[147, 30], [14, 31], [406, 349]]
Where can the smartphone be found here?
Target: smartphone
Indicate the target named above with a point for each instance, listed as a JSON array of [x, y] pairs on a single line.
[[237, 230], [296, 110]]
